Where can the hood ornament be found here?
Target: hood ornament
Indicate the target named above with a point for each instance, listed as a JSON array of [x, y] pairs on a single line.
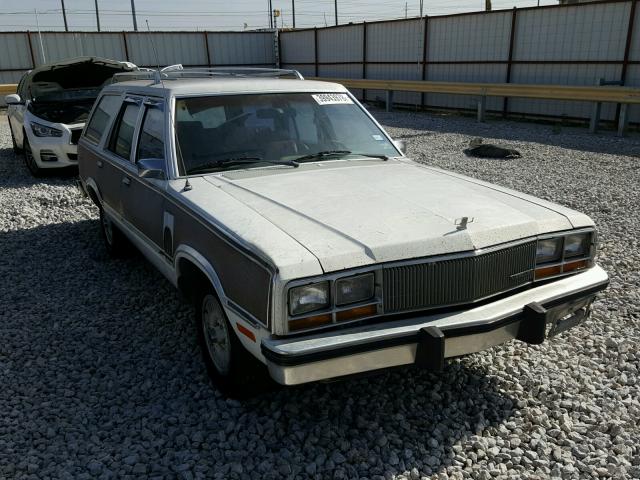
[[461, 223]]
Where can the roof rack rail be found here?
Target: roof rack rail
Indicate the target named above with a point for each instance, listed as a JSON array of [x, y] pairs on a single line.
[[177, 71]]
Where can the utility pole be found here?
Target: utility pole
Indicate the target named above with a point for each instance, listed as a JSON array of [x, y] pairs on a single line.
[[97, 15], [133, 14], [293, 12], [405, 10], [335, 6], [64, 17], [269, 13], [421, 6]]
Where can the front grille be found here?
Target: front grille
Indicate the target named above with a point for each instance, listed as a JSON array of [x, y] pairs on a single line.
[[75, 135], [456, 281]]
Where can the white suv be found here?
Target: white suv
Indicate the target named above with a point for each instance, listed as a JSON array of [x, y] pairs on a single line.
[[48, 112]]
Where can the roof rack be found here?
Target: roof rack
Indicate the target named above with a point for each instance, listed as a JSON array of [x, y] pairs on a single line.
[[178, 71]]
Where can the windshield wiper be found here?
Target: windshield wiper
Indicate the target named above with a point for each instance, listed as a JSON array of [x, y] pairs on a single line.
[[239, 160], [327, 153]]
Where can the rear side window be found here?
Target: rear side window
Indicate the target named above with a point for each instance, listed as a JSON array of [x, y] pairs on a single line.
[[151, 143], [101, 117], [122, 138]]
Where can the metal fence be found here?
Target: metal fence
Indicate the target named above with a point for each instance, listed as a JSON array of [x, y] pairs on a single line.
[[565, 45], [21, 51]]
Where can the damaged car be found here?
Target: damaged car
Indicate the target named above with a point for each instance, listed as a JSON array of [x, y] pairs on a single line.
[[310, 245], [49, 110]]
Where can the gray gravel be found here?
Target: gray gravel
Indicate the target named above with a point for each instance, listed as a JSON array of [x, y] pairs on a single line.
[[101, 376]]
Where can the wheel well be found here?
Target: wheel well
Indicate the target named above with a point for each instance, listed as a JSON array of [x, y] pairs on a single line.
[[93, 195], [191, 280]]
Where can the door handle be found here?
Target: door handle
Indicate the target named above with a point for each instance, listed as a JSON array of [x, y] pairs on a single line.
[[99, 163], [126, 181]]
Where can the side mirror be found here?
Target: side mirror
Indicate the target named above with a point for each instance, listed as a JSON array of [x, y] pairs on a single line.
[[13, 99], [402, 145], [151, 168]]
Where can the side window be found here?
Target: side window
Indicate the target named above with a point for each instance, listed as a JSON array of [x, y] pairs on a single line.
[[101, 117], [122, 136], [151, 143]]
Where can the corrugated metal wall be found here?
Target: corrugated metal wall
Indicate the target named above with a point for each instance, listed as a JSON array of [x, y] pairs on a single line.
[[566, 45], [21, 51], [298, 49], [395, 53]]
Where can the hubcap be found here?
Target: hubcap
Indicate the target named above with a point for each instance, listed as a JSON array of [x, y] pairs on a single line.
[[107, 228], [216, 334]]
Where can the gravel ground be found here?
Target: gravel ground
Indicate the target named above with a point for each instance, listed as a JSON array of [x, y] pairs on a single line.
[[101, 376]]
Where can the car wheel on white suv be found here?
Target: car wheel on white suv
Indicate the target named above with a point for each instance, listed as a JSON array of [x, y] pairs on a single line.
[[29, 159]]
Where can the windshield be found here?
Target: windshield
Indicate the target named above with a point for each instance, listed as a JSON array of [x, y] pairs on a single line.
[[228, 132]]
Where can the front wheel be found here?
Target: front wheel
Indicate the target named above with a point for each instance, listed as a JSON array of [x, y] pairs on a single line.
[[234, 370], [29, 159]]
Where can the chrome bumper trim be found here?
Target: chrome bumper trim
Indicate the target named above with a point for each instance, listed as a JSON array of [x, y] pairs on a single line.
[[370, 347]]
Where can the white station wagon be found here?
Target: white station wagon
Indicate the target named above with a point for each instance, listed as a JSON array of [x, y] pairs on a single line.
[[309, 242]]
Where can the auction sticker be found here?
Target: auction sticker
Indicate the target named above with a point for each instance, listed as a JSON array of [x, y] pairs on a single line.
[[332, 98]]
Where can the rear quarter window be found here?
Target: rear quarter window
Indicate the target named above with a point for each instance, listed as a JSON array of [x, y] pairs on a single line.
[[101, 118]]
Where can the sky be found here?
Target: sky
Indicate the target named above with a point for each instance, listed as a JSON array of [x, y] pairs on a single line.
[[223, 15]]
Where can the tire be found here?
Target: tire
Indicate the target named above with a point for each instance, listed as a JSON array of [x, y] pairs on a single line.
[[116, 244], [29, 159], [17, 150], [231, 368]]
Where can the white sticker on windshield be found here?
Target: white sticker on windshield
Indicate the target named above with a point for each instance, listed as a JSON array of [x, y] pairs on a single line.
[[377, 137], [332, 98]]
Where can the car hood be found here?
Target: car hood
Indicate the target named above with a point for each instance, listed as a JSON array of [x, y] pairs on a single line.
[[67, 79], [355, 213]]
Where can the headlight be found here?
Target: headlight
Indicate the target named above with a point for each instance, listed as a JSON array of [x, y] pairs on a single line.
[[549, 250], [568, 253], [308, 298], [44, 131], [354, 289], [576, 245]]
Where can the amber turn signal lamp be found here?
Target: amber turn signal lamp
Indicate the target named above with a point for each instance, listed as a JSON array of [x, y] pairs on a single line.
[[573, 266], [544, 272], [357, 312], [309, 322], [246, 332]]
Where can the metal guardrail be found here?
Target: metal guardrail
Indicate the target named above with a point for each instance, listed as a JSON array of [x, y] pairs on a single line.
[[8, 88], [625, 96]]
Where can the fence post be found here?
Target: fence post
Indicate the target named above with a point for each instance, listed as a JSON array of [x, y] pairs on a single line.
[[315, 48], [623, 120], [424, 56], [627, 50], [482, 108], [595, 113], [364, 58], [512, 36], [389, 100]]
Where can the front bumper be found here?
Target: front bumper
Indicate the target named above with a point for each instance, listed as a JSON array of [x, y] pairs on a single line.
[[530, 316], [54, 152]]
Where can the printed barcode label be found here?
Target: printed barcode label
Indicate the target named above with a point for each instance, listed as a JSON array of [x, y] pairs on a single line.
[[332, 98]]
